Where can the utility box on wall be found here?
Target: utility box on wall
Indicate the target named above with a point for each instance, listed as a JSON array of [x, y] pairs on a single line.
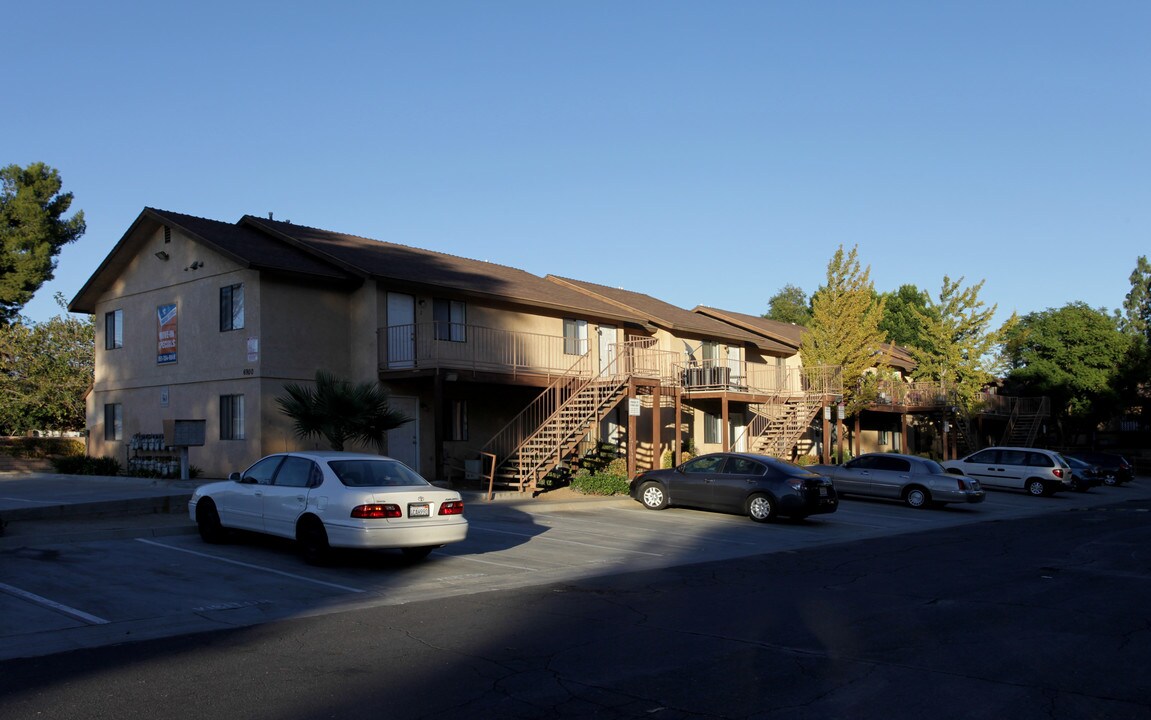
[[183, 434]]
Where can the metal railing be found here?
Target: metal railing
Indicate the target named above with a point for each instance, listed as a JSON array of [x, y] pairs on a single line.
[[711, 375], [472, 347]]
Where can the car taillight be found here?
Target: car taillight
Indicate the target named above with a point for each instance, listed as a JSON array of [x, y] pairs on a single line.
[[388, 510], [452, 507], [1058, 472]]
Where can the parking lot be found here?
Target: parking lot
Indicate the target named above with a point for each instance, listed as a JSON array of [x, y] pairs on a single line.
[[56, 596]]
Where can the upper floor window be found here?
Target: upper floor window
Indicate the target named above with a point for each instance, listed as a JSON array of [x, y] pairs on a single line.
[[575, 336], [114, 330], [450, 318], [232, 307]]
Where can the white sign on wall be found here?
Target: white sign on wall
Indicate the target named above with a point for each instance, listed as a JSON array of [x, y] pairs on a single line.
[[633, 407]]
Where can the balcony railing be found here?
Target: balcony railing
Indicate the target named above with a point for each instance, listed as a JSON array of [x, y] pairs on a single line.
[[741, 376], [457, 346]]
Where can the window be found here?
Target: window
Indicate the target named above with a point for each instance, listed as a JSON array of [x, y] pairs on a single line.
[[705, 464], [711, 428], [231, 417], [456, 421], [744, 466], [450, 317], [575, 336], [884, 437], [297, 472], [114, 330], [113, 421], [232, 307]]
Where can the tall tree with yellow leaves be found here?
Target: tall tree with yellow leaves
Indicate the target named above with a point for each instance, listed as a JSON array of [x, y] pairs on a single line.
[[844, 330]]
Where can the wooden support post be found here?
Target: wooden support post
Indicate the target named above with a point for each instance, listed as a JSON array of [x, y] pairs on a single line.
[[631, 430], [656, 428]]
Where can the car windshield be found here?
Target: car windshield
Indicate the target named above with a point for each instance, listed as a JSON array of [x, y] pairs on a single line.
[[375, 473]]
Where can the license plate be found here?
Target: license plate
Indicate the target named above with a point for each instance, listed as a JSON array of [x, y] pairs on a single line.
[[419, 510], [823, 492]]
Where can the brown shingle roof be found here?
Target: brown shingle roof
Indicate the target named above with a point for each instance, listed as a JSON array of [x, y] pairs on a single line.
[[786, 334], [415, 266], [660, 313], [242, 245]]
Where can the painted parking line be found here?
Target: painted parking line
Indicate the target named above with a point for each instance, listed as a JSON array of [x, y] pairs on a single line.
[[52, 605], [261, 568], [537, 536]]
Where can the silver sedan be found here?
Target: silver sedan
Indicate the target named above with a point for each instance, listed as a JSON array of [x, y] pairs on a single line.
[[917, 481]]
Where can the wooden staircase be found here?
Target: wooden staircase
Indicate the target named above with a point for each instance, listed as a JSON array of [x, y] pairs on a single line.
[[776, 427], [549, 430], [1027, 416]]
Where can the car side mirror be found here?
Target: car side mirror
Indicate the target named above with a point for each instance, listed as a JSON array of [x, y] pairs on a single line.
[[235, 477]]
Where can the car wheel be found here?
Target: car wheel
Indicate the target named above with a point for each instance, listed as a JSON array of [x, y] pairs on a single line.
[[313, 541], [652, 496], [1110, 480], [1036, 488], [760, 508], [418, 553], [916, 497], [208, 523]]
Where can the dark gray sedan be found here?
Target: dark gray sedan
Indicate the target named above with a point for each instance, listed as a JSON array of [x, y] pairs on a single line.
[[917, 481], [758, 486]]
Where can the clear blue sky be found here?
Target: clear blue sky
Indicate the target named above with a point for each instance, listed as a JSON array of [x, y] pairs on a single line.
[[699, 152]]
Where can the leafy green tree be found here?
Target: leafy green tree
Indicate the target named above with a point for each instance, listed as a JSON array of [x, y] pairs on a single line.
[[958, 348], [1074, 356], [340, 411], [1137, 303], [902, 311], [789, 305], [844, 329], [1134, 382], [45, 371], [32, 232]]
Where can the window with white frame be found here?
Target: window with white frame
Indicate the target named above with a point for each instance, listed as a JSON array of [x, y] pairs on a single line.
[[113, 421], [450, 317], [231, 417], [232, 307], [114, 330], [575, 336]]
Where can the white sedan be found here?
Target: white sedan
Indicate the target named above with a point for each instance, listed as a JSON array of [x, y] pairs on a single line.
[[332, 499]]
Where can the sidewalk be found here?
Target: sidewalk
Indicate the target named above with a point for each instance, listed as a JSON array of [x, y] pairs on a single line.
[[42, 507]]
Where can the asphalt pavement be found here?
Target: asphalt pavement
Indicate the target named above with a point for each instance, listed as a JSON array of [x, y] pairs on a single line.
[[81, 508]]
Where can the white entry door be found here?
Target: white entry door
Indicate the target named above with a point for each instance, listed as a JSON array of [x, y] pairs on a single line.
[[401, 338], [404, 441], [607, 341]]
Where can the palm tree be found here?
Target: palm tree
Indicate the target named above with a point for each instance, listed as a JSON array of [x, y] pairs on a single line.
[[340, 411]]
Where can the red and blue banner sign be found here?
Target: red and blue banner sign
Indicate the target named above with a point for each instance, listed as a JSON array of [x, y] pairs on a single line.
[[166, 334]]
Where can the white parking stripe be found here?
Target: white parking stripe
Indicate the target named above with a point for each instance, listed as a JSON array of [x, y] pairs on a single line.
[[69, 611], [537, 536], [249, 565]]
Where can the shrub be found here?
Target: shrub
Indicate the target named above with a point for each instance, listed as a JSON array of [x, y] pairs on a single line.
[[41, 447], [84, 465], [599, 484], [805, 460]]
